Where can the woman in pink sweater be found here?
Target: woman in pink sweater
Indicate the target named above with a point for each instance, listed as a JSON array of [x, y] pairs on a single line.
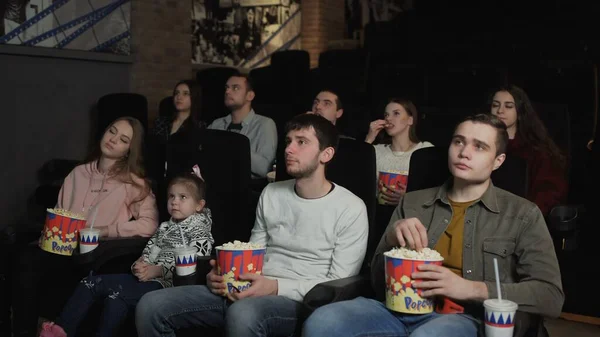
[[109, 188], [111, 191]]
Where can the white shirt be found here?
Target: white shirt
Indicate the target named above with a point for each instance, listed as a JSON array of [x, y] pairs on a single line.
[[395, 161], [310, 241]]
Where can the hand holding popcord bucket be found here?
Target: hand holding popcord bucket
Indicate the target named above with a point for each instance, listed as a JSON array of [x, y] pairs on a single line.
[[238, 258], [61, 231], [392, 180], [400, 264]]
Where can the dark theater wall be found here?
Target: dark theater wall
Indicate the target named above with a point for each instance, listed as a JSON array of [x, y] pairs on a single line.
[[46, 112]]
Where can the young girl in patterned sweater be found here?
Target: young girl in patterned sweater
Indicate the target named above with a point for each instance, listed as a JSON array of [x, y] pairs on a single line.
[[190, 225]]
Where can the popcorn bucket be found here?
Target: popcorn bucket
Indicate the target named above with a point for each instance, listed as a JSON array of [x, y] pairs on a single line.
[[391, 179], [231, 263], [400, 296], [61, 231]]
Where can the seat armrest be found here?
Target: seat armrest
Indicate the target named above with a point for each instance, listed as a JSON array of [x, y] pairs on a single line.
[[110, 249], [529, 325], [338, 290]]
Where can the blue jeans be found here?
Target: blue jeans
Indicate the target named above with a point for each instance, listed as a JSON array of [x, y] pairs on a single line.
[[120, 292], [368, 317], [160, 313]]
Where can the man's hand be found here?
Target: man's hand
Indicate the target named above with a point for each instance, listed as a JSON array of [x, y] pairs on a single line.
[[151, 272], [409, 232], [261, 286], [214, 281], [441, 281]]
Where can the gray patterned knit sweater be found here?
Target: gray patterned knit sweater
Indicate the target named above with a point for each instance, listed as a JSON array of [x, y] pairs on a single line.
[[160, 248]]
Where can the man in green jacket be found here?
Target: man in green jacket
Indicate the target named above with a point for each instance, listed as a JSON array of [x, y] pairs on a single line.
[[469, 222]]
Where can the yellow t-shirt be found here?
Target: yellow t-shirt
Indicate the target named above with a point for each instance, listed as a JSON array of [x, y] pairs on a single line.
[[450, 245]]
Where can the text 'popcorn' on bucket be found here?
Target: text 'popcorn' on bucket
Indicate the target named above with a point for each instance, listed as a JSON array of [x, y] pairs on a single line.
[[426, 254]]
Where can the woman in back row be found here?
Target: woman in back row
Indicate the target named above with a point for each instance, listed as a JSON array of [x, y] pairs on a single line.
[[529, 140], [176, 135], [396, 146]]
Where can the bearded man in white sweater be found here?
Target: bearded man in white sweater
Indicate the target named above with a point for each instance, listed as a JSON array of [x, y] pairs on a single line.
[[314, 230]]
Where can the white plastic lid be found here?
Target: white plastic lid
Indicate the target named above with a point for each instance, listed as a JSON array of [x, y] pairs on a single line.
[[500, 305]]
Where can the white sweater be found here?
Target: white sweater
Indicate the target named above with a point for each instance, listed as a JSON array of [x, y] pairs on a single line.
[[310, 241], [398, 162]]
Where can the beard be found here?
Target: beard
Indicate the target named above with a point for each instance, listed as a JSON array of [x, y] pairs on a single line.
[[232, 105], [305, 170]]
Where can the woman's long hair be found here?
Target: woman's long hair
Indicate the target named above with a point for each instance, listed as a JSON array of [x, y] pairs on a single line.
[[530, 128], [132, 164]]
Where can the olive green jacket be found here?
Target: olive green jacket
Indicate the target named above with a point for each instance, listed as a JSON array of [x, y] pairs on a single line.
[[499, 225]]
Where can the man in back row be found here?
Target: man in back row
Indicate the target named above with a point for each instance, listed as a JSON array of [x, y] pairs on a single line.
[[260, 130], [328, 104], [469, 222]]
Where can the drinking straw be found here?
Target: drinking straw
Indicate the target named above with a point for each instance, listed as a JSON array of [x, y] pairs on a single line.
[[182, 237], [497, 279], [94, 217]]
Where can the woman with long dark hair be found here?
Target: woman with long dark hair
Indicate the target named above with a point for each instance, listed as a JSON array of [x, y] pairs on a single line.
[[175, 135], [529, 139], [185, 112]]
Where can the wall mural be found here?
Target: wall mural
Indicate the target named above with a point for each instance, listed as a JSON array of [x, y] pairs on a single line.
[[243, 33], [360, 12], [92, 25]]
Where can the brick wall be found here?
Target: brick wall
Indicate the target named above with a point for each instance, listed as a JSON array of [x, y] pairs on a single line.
[[161, 48], [322, 21], [161, 37]]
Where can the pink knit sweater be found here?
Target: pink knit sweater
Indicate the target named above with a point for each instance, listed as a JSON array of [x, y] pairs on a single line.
[[116, 204]]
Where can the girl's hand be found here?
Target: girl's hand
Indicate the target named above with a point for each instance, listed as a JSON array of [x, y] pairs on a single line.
[[151, 272], [374, 128], [139, 266]]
